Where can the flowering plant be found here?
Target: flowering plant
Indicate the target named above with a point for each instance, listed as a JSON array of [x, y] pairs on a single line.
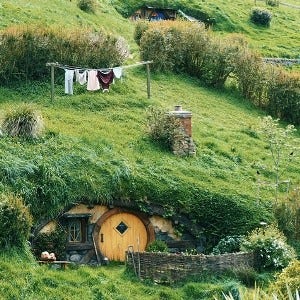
[[270, 246]]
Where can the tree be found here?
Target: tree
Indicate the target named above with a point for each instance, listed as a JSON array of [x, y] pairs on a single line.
[[279, 142]]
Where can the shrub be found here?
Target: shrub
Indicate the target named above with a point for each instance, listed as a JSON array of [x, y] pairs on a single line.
[[284, 96], [140, 28], [154, 45], [229, 244], [289, 277], [24, 121], [157, 246], [26, 50], [270, 247], [52, 242], [162, 127], [260, 16], [88, 6], [196, 43], [15, 222], [252, 76], [171, 45], [272, 2], [220, 59], [287, 213]]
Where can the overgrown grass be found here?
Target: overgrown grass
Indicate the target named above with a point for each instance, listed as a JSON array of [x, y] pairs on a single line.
[[23, 278], [93, 139]]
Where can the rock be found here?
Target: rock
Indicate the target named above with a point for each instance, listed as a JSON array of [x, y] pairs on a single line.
[[75, 258]]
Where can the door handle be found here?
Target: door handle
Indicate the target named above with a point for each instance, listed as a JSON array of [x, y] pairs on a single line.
[[101, 238]]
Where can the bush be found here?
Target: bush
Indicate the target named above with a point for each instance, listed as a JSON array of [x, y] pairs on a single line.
[[26, 50], [272, 2], [252, 76], [24, 121], [157, 246], [289, 277], [229, 244], [52, 242], [88, 6], [140, 29], [15, 222], [162, 127], [287, 213], [172, 44], [270, 247], [284, 96], [220, 59], [260, 16]]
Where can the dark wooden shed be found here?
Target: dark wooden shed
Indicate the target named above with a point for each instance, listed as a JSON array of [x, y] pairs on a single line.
[[151, 13]]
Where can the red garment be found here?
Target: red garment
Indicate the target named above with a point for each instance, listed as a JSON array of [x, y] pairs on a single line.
[[105, 78]]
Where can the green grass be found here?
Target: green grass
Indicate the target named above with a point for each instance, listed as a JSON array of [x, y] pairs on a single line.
[[22, 278], [105, 134], [94, 143], [279, 40]]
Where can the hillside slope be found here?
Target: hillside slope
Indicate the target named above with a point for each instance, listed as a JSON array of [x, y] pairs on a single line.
[[96, 147], [64, 14], [281, 39]]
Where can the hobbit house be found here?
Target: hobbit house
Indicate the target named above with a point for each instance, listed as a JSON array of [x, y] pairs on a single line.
[[97, 234]]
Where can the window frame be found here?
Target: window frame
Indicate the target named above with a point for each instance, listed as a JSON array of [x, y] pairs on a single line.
[[77, 234]]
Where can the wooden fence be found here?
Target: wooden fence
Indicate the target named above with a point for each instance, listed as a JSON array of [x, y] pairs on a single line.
[[166, 267]]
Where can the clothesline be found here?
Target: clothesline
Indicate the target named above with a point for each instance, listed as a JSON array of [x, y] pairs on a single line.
[[61, 66], [79, 68]]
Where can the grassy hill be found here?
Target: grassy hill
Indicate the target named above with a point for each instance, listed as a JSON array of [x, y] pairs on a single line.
[[279, 40], [105, 135], [96, 148]]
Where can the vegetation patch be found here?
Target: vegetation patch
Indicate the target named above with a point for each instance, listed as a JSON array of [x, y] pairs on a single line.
[[27, 49], [23, 121], [16, 222], [261, 16]]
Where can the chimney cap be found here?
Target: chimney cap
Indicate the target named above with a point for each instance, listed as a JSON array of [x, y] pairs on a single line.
[[178, 112]]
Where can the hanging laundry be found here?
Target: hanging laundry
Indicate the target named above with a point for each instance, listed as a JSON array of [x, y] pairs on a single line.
[[81, 77], [118, 71], [69, 76], [105, 78], [93, 82]]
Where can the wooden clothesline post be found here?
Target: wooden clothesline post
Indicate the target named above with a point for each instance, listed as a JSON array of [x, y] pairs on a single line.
[[57, 65], [148, 81], [52, 65]]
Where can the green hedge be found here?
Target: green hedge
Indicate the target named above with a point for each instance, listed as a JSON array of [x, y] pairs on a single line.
[[15, 222], [188, 47], [284, 96], [26, 50]]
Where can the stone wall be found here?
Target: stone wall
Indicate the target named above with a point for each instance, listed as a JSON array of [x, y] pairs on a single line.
[[166, 267]]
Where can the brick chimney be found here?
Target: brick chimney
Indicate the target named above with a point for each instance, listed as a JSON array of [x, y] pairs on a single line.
[[185, 118]]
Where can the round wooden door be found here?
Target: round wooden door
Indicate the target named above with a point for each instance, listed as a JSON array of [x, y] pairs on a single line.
[[120, 231]]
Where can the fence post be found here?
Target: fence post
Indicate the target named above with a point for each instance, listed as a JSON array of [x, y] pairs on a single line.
[[52, 83], [52, 65], [148, 80]]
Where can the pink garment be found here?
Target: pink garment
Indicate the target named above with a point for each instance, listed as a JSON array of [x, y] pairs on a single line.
[[93, 82]]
